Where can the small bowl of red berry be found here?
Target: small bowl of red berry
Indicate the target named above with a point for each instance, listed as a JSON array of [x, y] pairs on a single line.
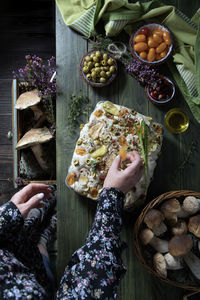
[[162, 93]]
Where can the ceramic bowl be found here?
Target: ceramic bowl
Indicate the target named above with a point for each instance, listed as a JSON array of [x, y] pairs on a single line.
[[93, 83], [164, 99], [163, 35]]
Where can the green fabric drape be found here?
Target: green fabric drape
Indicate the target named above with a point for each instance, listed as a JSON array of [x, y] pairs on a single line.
[[83, 15]]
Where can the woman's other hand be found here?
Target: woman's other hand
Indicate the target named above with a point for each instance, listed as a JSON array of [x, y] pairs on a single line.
[[126, 179], [30, 196]]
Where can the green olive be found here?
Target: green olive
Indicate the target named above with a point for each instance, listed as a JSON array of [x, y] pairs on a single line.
[[85, 63], [107, 68], [98, 53], [102, 74], [97, 65], [88, 58], [88, 76], [85, 70], [93, 69], [92, 55], [94, 74], [105, 56], [108, 74], [94, 79], [95, 59], [102, 79], [110, 61], [104, 62], [97, 70], [90, 65], [112, 69]]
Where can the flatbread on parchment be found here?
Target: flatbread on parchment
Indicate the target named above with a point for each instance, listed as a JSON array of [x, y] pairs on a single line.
[[110, 128]]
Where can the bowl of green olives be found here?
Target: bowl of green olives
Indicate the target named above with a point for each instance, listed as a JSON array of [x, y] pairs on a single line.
[[98, 68]]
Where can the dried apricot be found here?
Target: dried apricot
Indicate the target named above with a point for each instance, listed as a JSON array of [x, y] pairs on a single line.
[[98, 113], [122, 141], [122, 113], [93, 192], [80, 151], [122, 153], [71, 179]]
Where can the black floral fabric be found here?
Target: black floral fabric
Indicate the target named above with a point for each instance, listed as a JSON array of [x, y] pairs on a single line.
[[94, 270]]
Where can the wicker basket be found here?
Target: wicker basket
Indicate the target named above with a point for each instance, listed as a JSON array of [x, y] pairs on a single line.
[[137, 245]]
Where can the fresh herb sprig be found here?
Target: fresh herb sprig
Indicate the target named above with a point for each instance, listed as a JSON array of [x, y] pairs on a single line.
[[143, 139], [94, 165], [78, 105]]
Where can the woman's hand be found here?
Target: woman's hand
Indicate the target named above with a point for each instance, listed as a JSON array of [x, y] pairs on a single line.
[[126, 179], [30, 196]]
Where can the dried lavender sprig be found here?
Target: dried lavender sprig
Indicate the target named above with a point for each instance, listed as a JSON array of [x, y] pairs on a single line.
[[37, 74], [145, 74]]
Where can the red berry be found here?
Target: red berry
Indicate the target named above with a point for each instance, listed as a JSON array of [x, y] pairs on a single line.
[[134, 143], [152, 95], [160, 97], [144, 31]]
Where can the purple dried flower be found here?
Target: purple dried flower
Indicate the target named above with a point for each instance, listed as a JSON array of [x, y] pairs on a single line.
[[145, 74], [37, 74]]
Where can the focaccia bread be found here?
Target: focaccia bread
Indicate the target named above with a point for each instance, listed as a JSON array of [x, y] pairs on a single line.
[[109, 129]]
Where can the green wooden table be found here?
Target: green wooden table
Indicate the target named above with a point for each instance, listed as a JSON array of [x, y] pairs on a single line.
[[75, 214]]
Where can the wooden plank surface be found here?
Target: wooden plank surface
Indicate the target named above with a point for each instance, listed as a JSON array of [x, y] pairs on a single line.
[[75, 215]]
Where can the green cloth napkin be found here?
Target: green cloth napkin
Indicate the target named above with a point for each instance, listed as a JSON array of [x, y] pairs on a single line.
[[83, 15]]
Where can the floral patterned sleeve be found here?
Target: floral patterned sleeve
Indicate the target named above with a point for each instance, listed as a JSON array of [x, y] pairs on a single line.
[[95, 269], [11, 221]]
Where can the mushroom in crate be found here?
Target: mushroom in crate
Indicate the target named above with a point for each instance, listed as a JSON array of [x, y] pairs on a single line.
[[30, 100], [33, 139]]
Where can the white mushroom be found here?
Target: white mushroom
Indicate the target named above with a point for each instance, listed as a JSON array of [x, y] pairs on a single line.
[[191, 205], [147, 237], [173, 210], [154, 220], [173, 263], [30, 100], [179, 228], [194, 225], [193, 263], [180, 245], [170, 208], [34, 138], [160, 265]]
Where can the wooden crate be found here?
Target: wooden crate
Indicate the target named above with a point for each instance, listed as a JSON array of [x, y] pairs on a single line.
[[17, 133]]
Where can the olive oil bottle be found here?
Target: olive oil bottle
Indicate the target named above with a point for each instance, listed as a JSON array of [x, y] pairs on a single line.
[[176, 120]]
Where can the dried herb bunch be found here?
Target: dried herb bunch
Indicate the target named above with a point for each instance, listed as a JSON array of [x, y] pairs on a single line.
[[37, 74], [78, 105]]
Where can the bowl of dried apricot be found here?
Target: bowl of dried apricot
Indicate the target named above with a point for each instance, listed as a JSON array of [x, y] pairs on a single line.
[[152, 43]]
